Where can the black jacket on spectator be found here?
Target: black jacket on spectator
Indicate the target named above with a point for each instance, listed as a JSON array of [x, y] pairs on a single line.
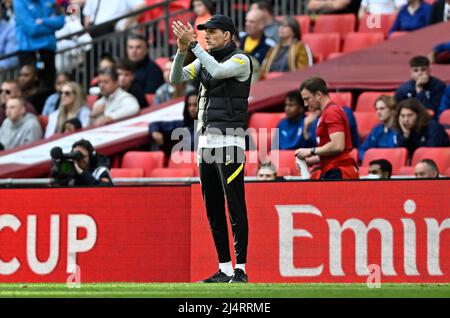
[[433, 135], [137, 91], [148, 75], [437, 12], [98, 171]]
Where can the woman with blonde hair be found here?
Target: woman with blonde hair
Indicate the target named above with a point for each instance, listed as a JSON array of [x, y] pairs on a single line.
[[290, 54], [72, 105]]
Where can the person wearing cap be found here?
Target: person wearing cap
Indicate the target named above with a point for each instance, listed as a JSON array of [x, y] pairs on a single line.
[[225, 74]]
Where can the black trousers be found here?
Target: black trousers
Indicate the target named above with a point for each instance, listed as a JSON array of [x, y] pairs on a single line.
[[222, 177], [46, 66]]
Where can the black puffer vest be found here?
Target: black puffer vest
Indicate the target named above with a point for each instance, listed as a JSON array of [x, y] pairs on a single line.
[[223, 103]]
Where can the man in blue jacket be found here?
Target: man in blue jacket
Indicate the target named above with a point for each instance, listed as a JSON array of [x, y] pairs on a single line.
[[426, 88], [36, 23]]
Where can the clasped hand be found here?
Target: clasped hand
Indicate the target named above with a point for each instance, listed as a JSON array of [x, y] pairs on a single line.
[[184, 33]]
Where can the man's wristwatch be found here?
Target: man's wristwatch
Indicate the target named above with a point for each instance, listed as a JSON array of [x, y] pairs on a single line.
[[313, 151], [192, 44]]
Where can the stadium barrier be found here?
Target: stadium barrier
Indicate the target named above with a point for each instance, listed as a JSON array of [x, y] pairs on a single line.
[[299, 232]]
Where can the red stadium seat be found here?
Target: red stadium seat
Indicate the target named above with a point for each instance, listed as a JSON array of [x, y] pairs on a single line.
[[342, 98], [376, 23], [90, 100], [365, 122], [396, 156], [447, 173], [354, 154], [284, 159], [149, 98], [43, 120], [406, 171], [340, 23], [172, 173], [127, 172], [147, 160], [251, 162], [366, 101], [265, 120], [441, 156], [444, 118], [305, 23], [322, 44], [397, 34], [160, 61], [363, 171], [357, 40], [184, 159], [335, 55]]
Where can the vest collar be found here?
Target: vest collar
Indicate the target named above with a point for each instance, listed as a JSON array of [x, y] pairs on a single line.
[[220, 54]]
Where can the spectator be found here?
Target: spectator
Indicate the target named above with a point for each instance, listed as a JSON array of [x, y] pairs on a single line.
[[10, 89], [440, 11], [31, 90], [254, 42], [52, 102], [72, 125], [106, 60], [72, 105], [204, 10], [125, 70], [36, 24], [19, 127], [266, 172], [440, 53], [161, 132], [290, 54], [334, 6], [98, 12], [8, 43], [445, 101], [416, 128], [412, 16], [290, 130], [426, 88], [271, 25], [115, 103], [426, 168], [380, 7], [384, 134], [168, 91], [380, 169], [147, 73], [333, 134]]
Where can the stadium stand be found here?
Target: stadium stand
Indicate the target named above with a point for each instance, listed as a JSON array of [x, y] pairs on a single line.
[[127, 172], [365, 122], [342, 98], [322, 44], [172, 173], [370, 23], [340, 23], [366, 101], [356, 40], [147, 160], [441, 156], [184, 160], [286, 159], [305, 23], [398, 157]]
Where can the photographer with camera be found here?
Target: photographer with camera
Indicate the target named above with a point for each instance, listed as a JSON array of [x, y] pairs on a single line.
[[83, 166]]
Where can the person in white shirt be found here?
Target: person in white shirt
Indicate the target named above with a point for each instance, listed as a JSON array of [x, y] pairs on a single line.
[[115, 103], [380, 6]]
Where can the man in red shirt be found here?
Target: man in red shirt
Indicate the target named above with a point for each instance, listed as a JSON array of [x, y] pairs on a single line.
[[333, 134]]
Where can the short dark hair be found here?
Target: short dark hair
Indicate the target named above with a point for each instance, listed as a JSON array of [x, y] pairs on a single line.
[[108, 56], [431, 164], [314, 85], [73, 121], [110, 71], [264, 5], [418, 61], [384, 164], [138, 36], [126, 65], [296, 97]]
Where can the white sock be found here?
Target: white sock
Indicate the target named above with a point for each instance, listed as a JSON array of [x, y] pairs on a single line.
[[241, 266], [226, 268]]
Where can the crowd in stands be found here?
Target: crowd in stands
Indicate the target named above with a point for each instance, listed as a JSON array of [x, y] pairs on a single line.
[[45, 88]]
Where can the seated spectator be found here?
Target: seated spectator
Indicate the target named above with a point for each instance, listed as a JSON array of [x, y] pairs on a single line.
[[168, 91], [72, 125], [445, 101], [31, 90], [52, 102], [380, 169], [253, 41], [290, 129], [203, 10], [10, 89], [271, 25], [426, 168], [334, 6], [440, 11], [416, 128], [161, 131], [72, 105], [19, 127], [380, 7], [266, 172], [440, 53], [384, 134], [125, 70], [412, 16], [290, 54], [106, 60], [8, 43], [426, 88], [147, 73], [115, 103]]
